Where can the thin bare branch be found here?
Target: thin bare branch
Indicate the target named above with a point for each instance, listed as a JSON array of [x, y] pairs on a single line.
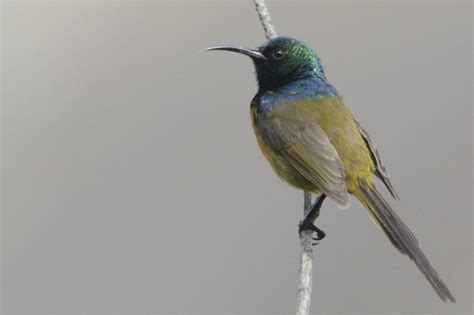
[[305, 272], [265, 19]]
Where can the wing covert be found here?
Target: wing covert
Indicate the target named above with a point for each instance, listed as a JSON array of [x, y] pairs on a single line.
[[307, 148]]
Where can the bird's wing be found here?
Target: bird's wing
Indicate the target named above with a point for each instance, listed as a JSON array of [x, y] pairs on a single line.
[[306, 146], [380, 170]]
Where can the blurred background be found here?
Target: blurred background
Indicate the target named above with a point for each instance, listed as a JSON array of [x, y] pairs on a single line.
[[132, 182]]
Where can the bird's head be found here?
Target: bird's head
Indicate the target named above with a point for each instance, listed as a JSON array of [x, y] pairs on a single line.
[[280, 61]]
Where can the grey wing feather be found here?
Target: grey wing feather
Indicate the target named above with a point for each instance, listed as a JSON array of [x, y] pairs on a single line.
[[306, 146], [380, 170]]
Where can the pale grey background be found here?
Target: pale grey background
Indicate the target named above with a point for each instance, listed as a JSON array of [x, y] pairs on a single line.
[[132, 181]]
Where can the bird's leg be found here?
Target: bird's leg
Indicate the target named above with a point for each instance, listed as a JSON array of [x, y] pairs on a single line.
[[311, 216]]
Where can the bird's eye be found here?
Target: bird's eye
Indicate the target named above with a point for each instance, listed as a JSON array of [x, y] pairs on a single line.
[[278, 54]]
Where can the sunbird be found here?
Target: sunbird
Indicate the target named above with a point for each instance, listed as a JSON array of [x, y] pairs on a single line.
[[313, 142]]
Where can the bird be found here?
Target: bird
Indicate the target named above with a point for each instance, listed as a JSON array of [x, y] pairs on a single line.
[[313, 142]]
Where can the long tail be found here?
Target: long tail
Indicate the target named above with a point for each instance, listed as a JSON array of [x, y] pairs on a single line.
[[400, 235]]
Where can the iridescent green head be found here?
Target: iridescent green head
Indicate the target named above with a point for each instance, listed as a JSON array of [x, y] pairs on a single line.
[[286, 60], [280, 61]]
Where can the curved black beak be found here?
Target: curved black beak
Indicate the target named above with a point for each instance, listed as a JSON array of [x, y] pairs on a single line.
[[252, 53]]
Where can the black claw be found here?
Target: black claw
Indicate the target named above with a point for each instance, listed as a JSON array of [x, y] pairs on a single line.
[[319, 233], [301, 228], [311, 216]]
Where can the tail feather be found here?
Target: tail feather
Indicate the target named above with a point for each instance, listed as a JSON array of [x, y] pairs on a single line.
[[400, 236]]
